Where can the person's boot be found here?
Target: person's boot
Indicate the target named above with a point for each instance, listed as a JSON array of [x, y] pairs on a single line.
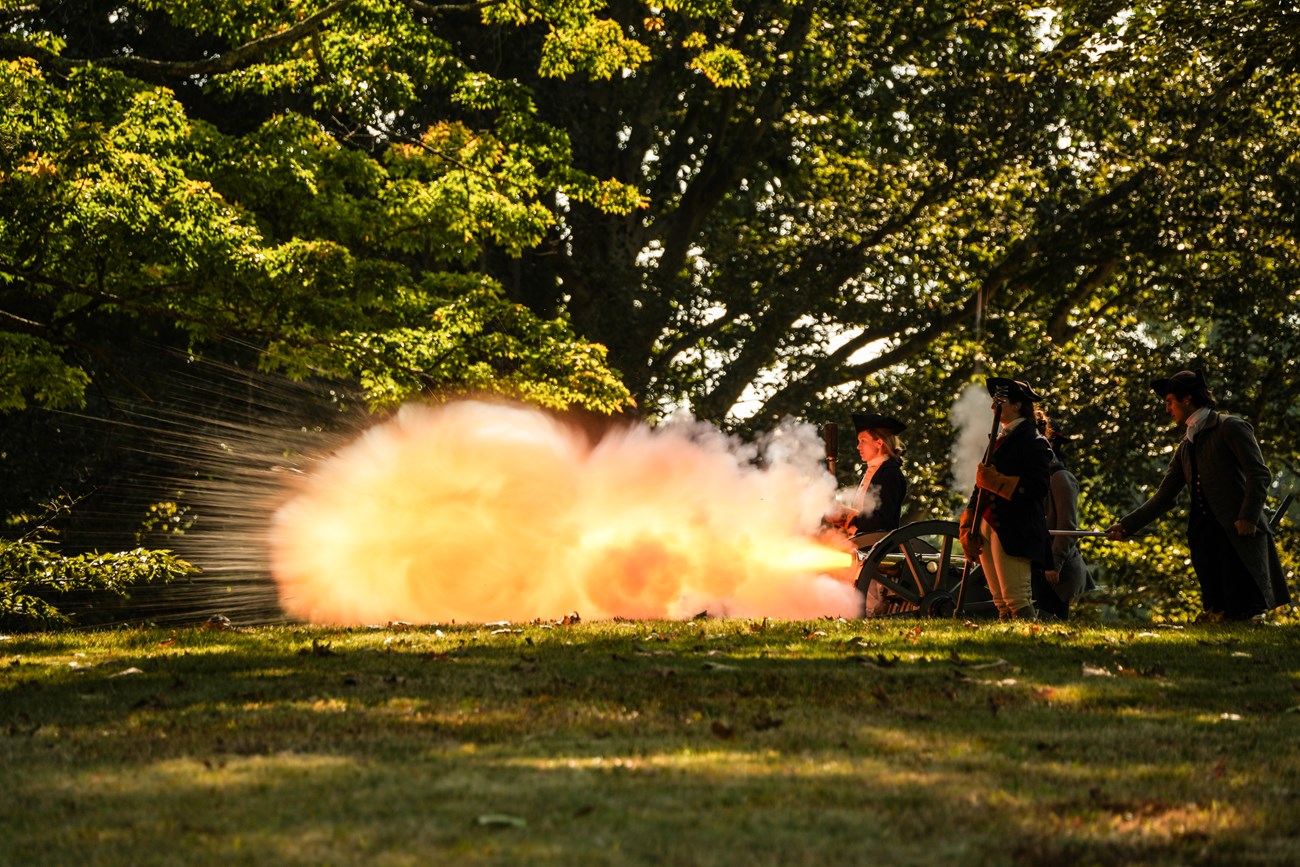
[[1026, 613]]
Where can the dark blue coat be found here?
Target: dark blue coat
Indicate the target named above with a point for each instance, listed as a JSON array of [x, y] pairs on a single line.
[[1021, 522], [887, 489]]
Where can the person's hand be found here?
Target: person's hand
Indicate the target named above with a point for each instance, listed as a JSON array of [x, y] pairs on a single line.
[[970, 543], [1245, 528], [1053, 577], [1116, 533], [989, 479]]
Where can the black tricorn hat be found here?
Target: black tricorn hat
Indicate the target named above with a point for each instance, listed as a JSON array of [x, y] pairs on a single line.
[[1014, 390], [1184, 381], [864, 421]]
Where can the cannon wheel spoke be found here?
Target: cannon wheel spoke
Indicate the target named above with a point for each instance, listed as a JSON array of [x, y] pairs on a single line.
[[917, 566]]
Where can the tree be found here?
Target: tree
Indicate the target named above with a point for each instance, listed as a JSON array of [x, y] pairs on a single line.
[[756, 209]]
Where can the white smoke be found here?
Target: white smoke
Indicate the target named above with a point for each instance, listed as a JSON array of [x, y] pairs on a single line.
[[972, 419]]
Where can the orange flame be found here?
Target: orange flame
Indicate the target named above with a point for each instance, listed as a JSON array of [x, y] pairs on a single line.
[[473, 511]]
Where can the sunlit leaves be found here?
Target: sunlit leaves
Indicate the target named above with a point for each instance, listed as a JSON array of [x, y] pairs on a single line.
[[597, 47], [478, 343], [30, 572], [33, 370], [724, 66]]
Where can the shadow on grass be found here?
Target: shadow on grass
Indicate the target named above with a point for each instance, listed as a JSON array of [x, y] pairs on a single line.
[[694, 745]]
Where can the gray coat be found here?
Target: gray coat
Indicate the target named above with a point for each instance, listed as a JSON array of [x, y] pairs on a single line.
[[1073, 577], [1235, 480]]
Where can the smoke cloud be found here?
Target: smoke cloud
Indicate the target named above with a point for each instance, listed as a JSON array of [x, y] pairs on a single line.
[[972, 418], [476, 511]]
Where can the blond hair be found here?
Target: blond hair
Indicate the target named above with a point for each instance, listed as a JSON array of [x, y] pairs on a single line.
[[888, 438]]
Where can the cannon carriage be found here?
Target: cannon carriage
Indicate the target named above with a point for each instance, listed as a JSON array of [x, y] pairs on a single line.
[[918, 570]]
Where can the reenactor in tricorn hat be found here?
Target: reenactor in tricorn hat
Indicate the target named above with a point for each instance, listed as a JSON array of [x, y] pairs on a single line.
[[877, 504], [1218, 460], [1008, 506]]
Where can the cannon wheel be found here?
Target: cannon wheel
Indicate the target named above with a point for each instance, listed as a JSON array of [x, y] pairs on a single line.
[[925, 585]]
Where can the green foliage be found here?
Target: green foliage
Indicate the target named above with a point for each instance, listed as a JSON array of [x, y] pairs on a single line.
[[34, 574], [477, 343], [124, 211], [31, 572], [29, 365], [781, 209]]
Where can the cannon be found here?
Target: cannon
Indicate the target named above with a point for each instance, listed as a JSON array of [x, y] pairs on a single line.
[[919, 568]]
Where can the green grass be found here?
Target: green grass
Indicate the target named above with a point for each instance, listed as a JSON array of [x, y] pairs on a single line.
[[691, 743]]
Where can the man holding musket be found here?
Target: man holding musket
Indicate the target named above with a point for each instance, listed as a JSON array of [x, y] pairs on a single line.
[[1004, 524], [1218, 460]]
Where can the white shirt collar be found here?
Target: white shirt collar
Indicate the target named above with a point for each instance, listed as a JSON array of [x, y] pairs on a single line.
[[1196, 422]]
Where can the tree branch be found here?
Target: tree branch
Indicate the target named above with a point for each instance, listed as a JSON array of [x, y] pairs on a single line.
[[11, 46]]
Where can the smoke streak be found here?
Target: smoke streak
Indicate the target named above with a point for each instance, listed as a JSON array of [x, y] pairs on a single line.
[[971, 417], [476, 511]]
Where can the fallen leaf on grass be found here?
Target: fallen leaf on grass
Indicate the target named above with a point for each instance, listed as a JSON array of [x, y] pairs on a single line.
[[501, 820], [570, 619], [722, 730], [1090, 670], [126, 671]]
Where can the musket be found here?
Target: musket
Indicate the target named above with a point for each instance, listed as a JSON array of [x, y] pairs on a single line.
[[977, 499], [831, 438]]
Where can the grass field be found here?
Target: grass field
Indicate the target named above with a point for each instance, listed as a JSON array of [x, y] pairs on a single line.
[[685, 743]]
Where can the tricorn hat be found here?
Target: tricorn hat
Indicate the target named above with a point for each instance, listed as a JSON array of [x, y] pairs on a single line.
[[1014, 390], [864, 421], [1184, 381]]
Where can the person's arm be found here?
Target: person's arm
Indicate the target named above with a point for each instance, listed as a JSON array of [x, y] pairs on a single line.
[[1064, 492], [1160, 502]]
